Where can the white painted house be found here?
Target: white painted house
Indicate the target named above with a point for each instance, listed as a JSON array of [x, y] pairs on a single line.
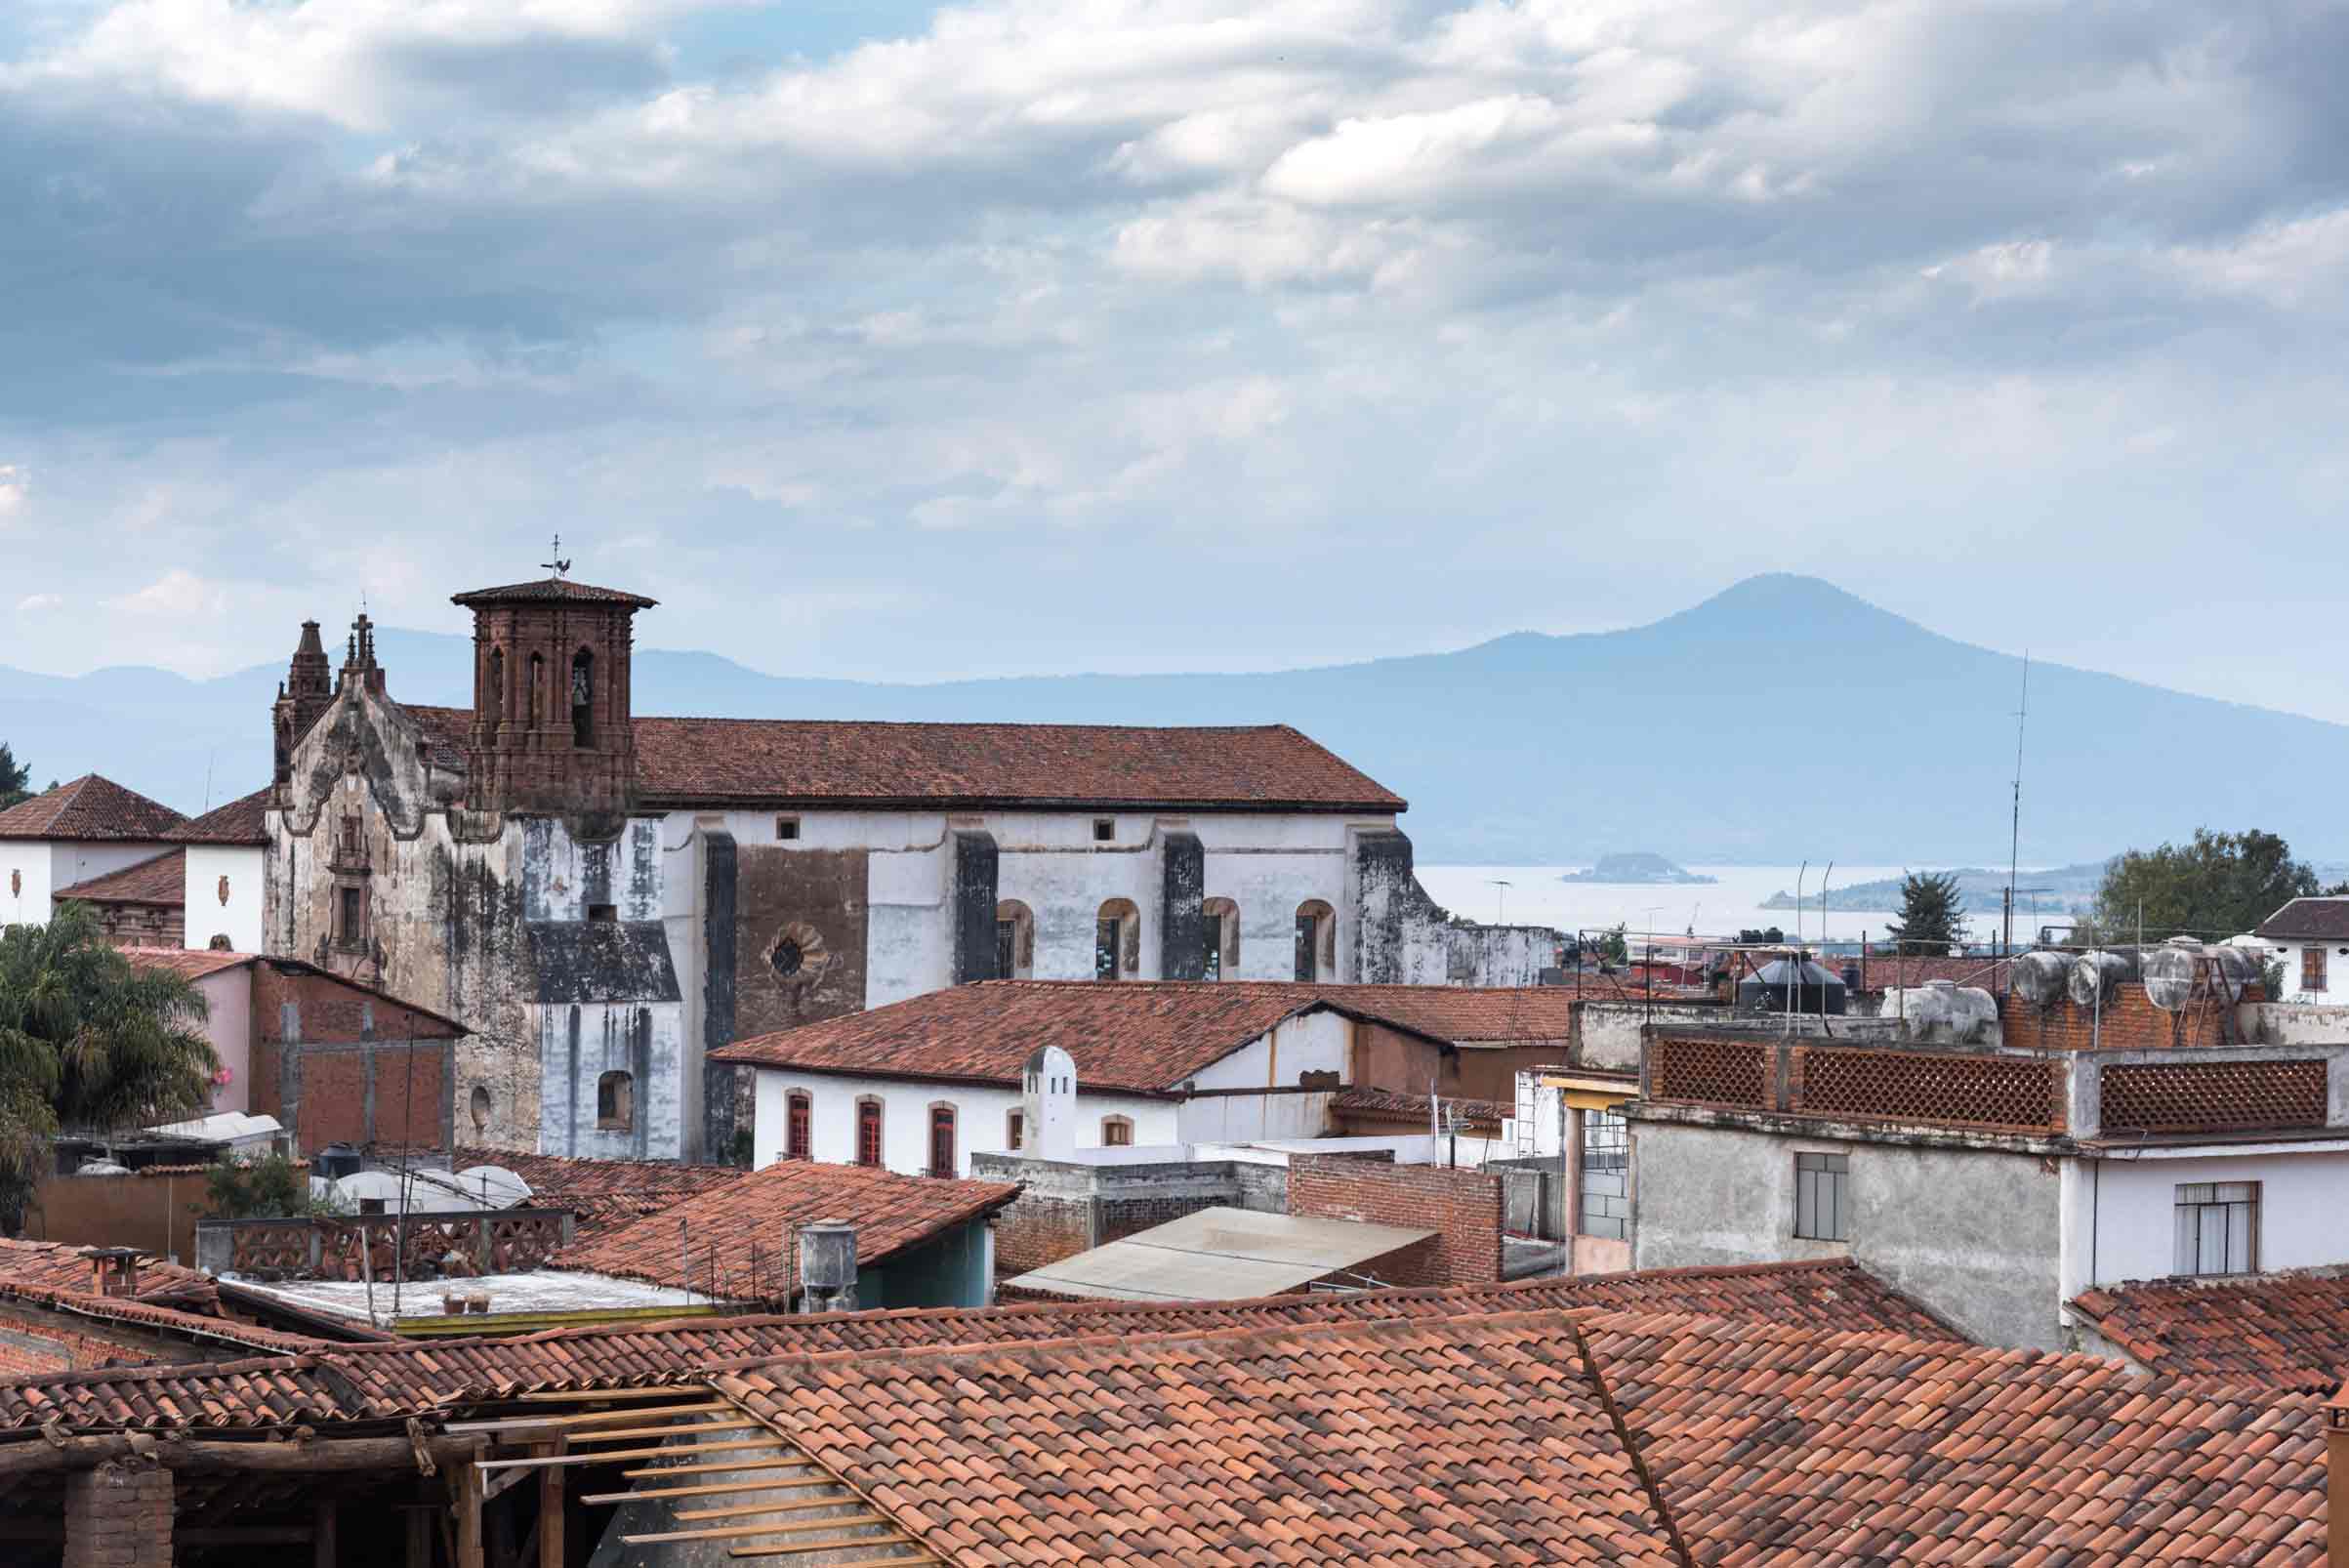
[[2310, 938], [920, 1086], [70, 834]]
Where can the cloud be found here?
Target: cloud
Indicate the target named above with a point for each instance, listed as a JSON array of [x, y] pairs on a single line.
[[39, 604], [1343, 324]]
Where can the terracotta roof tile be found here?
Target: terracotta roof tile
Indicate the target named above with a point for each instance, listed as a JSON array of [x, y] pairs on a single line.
[[855, 763], [1464, 1012], [604, 1194], [192, 962], [262, 1391], [171, 1299], [404, 1377], [1453, 1440], [60, 1265], [553, 590], [734, 1233], [1386, 1105], [1146, 1037], [2286, 1331], [89, 809], [242, 821], [2325, 919], [1775, 1443], [162, 880]]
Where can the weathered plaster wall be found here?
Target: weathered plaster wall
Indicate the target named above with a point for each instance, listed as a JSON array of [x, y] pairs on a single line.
[[1607, 1034], [1389, 1058], [578, 1043], [1976, 1235], [241, 917], [982, 1118], [801, 910]]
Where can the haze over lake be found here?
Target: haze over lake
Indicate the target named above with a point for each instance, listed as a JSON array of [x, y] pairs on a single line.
[[1730, 904]]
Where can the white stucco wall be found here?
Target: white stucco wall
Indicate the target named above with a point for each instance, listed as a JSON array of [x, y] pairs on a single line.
[[2336, 989], [24, 884], [2119, 1220], [608, 1041], [240, 919], [981, 1117], [228, 1025]]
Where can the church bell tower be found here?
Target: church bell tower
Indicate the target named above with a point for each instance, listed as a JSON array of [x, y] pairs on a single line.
[[307, 690], [552, 729]]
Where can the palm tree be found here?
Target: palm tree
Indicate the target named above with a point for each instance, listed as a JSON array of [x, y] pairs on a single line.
[[89, 1043]]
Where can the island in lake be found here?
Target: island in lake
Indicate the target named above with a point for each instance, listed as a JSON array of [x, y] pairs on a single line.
[[1638, 871], [1981, 890]]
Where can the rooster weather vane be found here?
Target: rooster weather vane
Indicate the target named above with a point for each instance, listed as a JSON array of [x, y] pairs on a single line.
[[558, 565]]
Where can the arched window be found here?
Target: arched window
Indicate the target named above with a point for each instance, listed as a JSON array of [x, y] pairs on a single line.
[[615, 1102], [1222, 937], [799, 1131], [538, 688], [1117, 1131], [868, 1131], [479, 1103], [583, 698], [1015, 940], [494, 698], [1117, 947], [1316, 941], [942, 1140]]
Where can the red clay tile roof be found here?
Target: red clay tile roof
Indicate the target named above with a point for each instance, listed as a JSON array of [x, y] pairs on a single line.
[[2325, 918], [59, 1265], [171, 1299], [1386, 1105], [2289, 1330], [1139, 1037], [162, 880], [553, 590], [604, 1194], [405, 1378], [190, 963], [1776, 1444], [242, 821], [1457, 1013], [260, 1391], [1456, 1441], [734, 1234], [858, 763], [89, 811]]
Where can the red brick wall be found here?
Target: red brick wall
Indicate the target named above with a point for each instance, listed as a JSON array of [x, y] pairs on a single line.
[[1464, 1207], [2129, 1022], [1035, 1231], [332, 1012]]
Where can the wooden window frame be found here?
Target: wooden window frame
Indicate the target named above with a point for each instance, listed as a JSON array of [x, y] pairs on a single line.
[[942, 1113], [798, 1124], [876, 1156], [2313, 965], [1117, 1131]]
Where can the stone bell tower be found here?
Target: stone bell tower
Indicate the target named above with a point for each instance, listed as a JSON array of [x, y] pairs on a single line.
[[552, 729], [307, 690]]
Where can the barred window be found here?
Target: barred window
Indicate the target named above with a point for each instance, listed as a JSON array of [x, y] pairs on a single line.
[[1823, 1197], [2217, 1227], [1605, 1208]]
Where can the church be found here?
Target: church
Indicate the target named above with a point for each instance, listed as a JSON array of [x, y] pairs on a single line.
[[607, 898]]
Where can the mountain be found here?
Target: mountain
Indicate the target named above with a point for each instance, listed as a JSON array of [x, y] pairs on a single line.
[[1778, 720]]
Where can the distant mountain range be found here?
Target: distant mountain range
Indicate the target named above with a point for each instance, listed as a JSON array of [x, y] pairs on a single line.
[[1782, 719]]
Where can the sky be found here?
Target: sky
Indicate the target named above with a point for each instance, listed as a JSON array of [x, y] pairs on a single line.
[[884, 340]]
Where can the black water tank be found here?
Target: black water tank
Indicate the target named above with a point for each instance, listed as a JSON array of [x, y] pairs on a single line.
[[1804, 985], [336, 1161]]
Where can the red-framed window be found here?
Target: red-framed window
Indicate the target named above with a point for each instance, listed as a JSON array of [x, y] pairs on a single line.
[[868, 1131], [800, 1139], [941, 1140]]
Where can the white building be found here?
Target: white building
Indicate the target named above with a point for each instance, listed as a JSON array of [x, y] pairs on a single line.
[[920, 1086], [610, 898], [73, 834], [1994, 1186], [2310, 938]]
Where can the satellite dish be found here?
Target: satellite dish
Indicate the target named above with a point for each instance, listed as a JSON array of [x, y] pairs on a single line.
[[102, 1167]]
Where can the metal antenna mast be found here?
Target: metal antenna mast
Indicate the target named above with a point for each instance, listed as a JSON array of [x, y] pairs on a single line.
[[2014, 830]]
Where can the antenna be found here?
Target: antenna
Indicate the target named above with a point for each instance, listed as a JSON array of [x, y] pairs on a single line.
[[1501, 899], [2014, 829]]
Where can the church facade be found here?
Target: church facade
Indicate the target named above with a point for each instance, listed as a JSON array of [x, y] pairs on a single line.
[[607, 898]]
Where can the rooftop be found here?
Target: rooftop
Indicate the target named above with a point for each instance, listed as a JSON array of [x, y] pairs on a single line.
[[860, 764], [89, 809], [2322, 918], [1218, 1255], [733, 1234], [537, 1293], [553, 590], [603, 1195], [242, 821], [2283, 1331], [162, 880]]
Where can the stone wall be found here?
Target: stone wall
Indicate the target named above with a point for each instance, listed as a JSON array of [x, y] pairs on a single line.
[[118, 1515]]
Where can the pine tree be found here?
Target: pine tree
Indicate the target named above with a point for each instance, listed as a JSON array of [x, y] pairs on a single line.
[[16, 780], [1931, 921]]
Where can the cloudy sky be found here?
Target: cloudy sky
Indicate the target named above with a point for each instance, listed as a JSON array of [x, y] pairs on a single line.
[[889, 340]]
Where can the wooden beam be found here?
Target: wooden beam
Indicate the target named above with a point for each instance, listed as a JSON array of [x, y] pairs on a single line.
[[746, 1510], [592, 1418], [626, 1452], [322, 1535], [896, 1537], [735, 1532], [247, 1535], [716, 1466], [553, 1504], [464, 1487], [713, 1488], [585, 1395], [627, 1433], [419, 1537], [316, 1457]]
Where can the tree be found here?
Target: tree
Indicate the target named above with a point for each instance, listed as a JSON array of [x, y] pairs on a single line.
[[89, 1043], [16, 780], [1615, 945], [2215, 886], [1931, 919], [271, 1187]]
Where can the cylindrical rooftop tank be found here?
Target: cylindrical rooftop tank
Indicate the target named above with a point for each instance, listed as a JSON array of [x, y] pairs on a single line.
[[2096, 978], [336, 1161], [1786, 982], [828, 1266], [2169, 973], [2043, 978]]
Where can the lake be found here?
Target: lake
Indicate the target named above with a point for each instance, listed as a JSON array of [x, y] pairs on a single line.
[[1730, 904]]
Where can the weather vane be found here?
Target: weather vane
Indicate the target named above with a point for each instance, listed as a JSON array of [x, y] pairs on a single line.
[[558, 565]]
